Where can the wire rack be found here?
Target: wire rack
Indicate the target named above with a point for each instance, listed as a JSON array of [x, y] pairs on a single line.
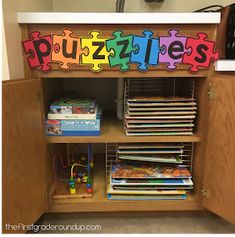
[[112, 155]]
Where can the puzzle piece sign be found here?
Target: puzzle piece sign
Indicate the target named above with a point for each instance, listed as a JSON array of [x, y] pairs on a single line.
[[97, 53], [120, 50]]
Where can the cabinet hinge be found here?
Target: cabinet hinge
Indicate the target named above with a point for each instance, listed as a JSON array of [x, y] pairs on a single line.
[[205, 193], [38, 97], [212, 93]]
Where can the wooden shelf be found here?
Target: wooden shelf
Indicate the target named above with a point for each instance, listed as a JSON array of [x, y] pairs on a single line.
[[100, 203], [112, 132]]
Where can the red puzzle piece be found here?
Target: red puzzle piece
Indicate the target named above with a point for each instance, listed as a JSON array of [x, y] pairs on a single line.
[[203, 52], [39, 50]]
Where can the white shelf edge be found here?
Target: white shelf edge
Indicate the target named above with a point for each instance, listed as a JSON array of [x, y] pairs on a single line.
[[117, 18], [225, 65]]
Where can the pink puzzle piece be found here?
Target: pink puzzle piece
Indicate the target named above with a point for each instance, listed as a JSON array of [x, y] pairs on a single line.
[[203, 52], [39, 50]]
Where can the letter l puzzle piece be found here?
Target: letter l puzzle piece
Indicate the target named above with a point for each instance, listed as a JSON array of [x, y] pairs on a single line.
[[194, 58], [39, 50], [148, 50], [97, 53]]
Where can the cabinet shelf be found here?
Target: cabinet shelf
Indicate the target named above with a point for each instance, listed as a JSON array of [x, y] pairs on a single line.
[[112, 132]]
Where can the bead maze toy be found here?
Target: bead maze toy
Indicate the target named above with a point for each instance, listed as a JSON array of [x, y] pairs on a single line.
[[74, 179]]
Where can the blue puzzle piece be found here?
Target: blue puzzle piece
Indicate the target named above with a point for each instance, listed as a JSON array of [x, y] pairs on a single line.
[[148, 50]]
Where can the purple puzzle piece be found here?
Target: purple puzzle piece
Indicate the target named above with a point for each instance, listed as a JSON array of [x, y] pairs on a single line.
[[173, 49]]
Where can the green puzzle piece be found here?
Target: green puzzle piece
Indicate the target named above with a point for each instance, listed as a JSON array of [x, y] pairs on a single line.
[[122, 48]]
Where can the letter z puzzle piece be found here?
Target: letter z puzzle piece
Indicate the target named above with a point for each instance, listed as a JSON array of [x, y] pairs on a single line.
[[66, 49], [122, 48], [39, 50], [203, 52], [148, 50], [173, 48], [97, 53]]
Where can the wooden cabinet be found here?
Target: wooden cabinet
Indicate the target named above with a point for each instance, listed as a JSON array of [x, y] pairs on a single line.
[[27, 181]]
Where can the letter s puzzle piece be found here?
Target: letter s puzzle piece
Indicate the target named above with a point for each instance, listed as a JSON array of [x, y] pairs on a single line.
[[122, 48], [173, 48], [203, 52], [97, 53], [39, 50], [66, 49], [148, 50]]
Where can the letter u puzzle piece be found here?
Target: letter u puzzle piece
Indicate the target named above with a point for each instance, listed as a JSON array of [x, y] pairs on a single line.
[[97, 53], [173, 48], [148, 50], [202, 52], [67, 49], [122, 48], [39, 50]]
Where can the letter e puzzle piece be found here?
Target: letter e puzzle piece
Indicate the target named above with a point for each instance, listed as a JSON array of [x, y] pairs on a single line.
[[203, 52], [66, 49], [122, 48], [39, 50], [148, 50], [173, 48], [97, 53]]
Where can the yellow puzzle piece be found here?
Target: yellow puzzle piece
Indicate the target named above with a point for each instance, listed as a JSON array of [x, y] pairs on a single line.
[[97, 53]]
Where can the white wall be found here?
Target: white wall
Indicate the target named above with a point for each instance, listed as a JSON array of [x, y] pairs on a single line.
[[5, 68], [134, 5], [13, 50]]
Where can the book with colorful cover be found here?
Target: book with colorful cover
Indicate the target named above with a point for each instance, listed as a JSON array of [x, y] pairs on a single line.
[[140, 171]]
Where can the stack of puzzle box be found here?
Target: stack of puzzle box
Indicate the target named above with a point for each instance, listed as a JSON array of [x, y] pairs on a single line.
[[73, 116]]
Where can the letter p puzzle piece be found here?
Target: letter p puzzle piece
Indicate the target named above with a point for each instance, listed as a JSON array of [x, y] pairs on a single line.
[[39, 50]]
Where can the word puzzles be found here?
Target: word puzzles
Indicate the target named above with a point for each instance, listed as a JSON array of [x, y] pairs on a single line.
[[119, 50]]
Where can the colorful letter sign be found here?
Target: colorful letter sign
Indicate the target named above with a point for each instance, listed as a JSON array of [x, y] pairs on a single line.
[[120, 50]]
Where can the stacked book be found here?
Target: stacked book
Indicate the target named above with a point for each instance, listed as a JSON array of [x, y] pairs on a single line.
[[73, 116], [149, 172], [160, 116]]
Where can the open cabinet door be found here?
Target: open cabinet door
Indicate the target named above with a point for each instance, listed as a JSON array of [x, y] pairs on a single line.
[[219, 183], [23, 165]]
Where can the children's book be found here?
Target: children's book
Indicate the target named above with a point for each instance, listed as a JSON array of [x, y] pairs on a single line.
[[159, 117], [149, 150], [150, 171], [154, 129], [151, 146], [159, 99]]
